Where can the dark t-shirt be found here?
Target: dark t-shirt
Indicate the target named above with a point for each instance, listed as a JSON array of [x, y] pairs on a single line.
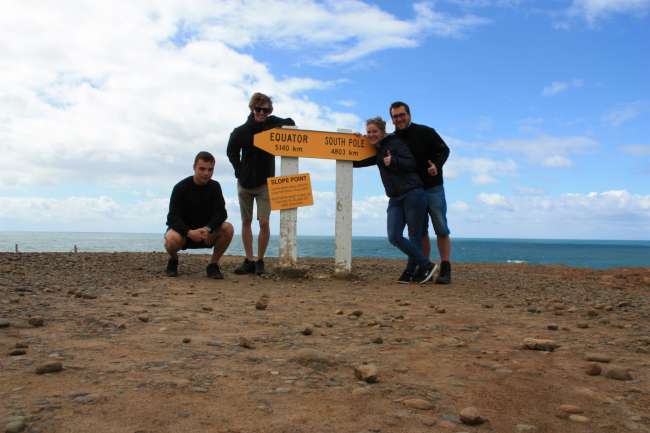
[[192, 206]]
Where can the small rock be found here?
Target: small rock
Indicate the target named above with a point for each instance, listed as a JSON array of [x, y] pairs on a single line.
[[579, 418], [540, 344], [592, 313], [593, 370], [15, 425], [262, 303], [357, 313], [339, 312], [618, 373], [144, 319], [4, 323], [582, 325], [440, 310], [470, 416], [187, 340], [50, 367], [570, 409], [378, 340], [598, 357], [246, 343], [552, 327], [418, 403], [18, 352], [367, 372], [36, 322], [307, 330]]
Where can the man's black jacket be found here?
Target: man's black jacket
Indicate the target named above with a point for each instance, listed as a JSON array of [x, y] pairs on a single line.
[[192, 206], [252, 165], [400, 176], [426, 145]]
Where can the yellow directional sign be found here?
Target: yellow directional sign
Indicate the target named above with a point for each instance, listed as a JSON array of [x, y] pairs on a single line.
[[314, 144], [288, 192]]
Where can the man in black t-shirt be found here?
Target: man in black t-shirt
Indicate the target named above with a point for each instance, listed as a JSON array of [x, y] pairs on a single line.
[[197, 217]]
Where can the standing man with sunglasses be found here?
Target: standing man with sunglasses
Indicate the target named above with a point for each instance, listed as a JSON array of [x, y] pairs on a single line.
[[430, 153], [252, 167]]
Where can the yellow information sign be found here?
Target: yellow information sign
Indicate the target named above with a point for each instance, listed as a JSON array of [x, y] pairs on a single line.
[[314, 144], [288, 192]]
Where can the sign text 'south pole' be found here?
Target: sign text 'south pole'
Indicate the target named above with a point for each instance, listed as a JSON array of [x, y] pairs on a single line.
[[343, 223]]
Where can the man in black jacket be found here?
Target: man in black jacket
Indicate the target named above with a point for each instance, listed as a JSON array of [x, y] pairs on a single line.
[[252, 167], [431, 153], [197, 217]]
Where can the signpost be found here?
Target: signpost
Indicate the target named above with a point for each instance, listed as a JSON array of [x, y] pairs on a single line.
[[291, 144]]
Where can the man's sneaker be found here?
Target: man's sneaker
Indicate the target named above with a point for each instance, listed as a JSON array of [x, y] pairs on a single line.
[[405, 278], [247, 267], [172, 268], [445, 273], [213, 271], [424, 274], [259, 267]]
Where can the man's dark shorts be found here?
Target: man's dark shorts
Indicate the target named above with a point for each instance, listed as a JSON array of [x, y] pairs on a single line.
[[192, 245]]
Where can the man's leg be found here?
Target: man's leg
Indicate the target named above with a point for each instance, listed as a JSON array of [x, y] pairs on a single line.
[[174, 242], [263, 238], [444, 247], [221, 239], [246, 210], [263, 215], [426, 243]]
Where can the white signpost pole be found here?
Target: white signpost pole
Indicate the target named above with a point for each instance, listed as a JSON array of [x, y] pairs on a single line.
[[343, 222], [288, 218]]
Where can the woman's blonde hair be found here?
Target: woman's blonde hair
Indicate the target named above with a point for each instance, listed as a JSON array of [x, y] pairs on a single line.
[[378, 122]]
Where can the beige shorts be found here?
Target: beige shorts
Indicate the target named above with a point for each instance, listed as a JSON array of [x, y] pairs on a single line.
[[246, 197]]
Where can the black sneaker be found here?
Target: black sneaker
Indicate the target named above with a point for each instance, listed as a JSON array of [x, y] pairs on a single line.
[[247, 267], [213, 271], [259, 267], [445, 273], [424, 274], [172, 268], [405, 278]]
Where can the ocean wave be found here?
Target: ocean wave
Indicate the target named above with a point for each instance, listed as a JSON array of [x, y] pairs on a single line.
[[516, 261]]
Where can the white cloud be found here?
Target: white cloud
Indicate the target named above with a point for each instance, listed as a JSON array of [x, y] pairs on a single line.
[[547, 150], [593, 10], [625, 113], [459, 207], [482, 170], [557, 87], [637, 149], [615, 214], [495, 200]]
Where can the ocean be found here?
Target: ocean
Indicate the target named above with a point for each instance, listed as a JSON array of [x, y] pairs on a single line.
[[597, 254]]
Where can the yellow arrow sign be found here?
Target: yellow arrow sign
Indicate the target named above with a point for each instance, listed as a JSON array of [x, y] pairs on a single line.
[[314, 144]]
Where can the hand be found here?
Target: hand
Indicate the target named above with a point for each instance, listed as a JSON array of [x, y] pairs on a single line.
[[432, 170], [387, 158], [195, 235]]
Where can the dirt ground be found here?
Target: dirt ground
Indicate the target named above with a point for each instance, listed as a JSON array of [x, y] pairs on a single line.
[[144, 353]]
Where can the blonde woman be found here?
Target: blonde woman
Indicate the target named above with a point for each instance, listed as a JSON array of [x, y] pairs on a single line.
[[407, 204]]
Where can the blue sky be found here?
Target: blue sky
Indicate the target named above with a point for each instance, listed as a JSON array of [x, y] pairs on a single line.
[[545, 106]]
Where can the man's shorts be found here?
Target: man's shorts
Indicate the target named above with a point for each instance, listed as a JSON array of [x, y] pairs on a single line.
[[246, 197], [437, 209], [190, 244]]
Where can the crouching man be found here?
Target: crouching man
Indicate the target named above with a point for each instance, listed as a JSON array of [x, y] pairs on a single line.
[[197, 217]]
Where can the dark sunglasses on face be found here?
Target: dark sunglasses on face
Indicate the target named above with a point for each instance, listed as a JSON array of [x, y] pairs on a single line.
[[264, 110], [399, 115]]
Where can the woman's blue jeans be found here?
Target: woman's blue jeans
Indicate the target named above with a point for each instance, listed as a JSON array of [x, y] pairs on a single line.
[[409, 210]]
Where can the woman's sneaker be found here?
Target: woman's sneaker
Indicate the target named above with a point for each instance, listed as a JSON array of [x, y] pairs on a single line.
[[424, 274], [405, 278]]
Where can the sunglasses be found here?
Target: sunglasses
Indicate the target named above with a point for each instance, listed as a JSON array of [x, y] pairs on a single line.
[[264, 110], [399, 115]]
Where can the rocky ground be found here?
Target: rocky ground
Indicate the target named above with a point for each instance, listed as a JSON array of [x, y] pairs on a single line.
[[106, 343]]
